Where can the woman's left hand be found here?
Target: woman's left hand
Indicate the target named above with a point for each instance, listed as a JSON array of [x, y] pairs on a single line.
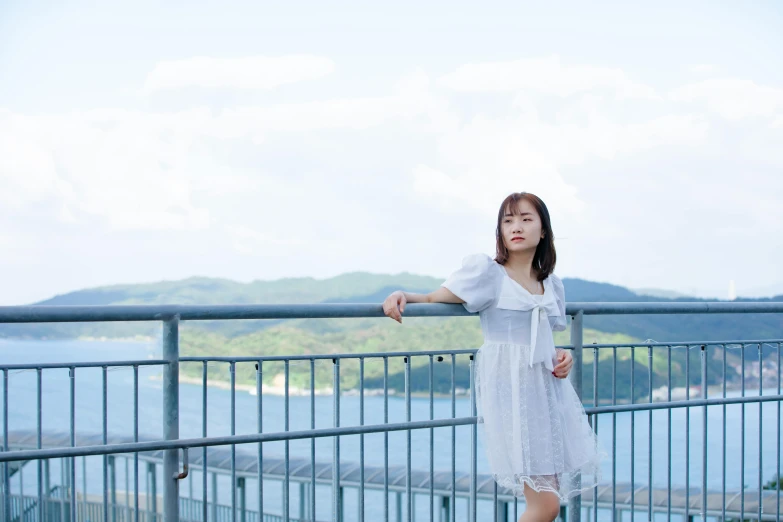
[[564, 363]]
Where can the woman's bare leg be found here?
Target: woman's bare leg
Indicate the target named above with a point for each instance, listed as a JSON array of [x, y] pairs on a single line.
[[541, 506]]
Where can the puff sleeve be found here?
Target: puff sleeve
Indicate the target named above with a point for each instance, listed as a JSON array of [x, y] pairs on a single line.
[[558, 322], [476, 283]]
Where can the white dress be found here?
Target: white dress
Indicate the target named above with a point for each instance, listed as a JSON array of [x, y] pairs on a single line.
[[535, 428]]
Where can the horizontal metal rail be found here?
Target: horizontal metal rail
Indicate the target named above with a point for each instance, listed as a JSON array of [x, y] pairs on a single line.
[[109, 313], [202, 442], [171, 315], [66, 366]]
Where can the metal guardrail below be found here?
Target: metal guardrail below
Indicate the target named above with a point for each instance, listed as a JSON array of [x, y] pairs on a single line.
[[172, 446]]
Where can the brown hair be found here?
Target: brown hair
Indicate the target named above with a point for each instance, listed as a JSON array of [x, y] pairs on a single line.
[[545, 257]]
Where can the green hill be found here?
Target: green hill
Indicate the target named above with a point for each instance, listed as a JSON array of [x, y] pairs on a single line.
[[363, 287], [350, 287], [384, 336], [323, 336]]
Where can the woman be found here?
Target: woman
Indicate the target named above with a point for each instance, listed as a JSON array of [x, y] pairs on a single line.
[[538, 440]]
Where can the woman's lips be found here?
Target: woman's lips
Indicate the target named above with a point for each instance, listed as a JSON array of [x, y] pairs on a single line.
[[518, 239]]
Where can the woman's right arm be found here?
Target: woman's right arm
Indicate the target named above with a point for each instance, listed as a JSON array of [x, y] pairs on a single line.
[[394, 305]]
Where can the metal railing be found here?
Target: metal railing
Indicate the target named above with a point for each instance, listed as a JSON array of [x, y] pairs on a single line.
[[24, 510], [171, 446]]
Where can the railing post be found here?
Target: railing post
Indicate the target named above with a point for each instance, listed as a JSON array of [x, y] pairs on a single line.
[[575, 503], [242, 499], [152, 488], [214, 506], [113, 486], [171, 418]]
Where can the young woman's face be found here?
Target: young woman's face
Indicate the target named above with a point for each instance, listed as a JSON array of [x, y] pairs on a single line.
[[521, 230]]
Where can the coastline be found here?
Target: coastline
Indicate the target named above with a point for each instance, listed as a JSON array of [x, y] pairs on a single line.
[[678, 393], [294, 391], [251, 388]]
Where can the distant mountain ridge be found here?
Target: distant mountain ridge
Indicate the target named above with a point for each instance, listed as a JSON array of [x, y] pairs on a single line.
[[365, 287], [205, 290]]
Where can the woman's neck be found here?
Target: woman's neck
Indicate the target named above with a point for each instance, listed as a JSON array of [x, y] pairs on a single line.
[[522, 265]]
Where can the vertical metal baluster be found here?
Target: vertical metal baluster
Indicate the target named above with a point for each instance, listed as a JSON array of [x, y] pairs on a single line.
[[105, 439], [386, 439], [72, 474], [687, 429], [21, 490], [127, 491], [704, 434], [633, 433], [361, 439], [495, 501], [170, 350], [39, 443], [742, 439], [723, 486], [649, 433], [214, 495], [48, 511], [761, 505], [777, 486], [84, 505], [336, 507], [408, 500], [113, 487], [260, 426], [473, 443], [669, 436], [63, 489], [432, 441], [6, 473], [312, 440], [595, 422], [136, 439], [286, 482], [204, 496], [453, 506], [577, 380], [614, 432], [232, 370]]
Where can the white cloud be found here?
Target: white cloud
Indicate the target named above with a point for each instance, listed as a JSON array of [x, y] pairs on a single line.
[[703, 68], [450, 192], [126, 168], [545, 75], [135, 169], [27, 171], [763, 146], [383, 168], [247, 240], [253, 72], [732, 98], [411, 103], [485, 159], [357, 113]]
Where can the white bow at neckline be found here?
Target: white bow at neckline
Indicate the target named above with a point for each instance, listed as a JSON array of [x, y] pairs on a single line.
[[514, 297]]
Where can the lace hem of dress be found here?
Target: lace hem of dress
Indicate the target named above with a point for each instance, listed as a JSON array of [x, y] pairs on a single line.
[[564, 485]]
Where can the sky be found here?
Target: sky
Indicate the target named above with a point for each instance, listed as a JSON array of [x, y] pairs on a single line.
[[148, 141]]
